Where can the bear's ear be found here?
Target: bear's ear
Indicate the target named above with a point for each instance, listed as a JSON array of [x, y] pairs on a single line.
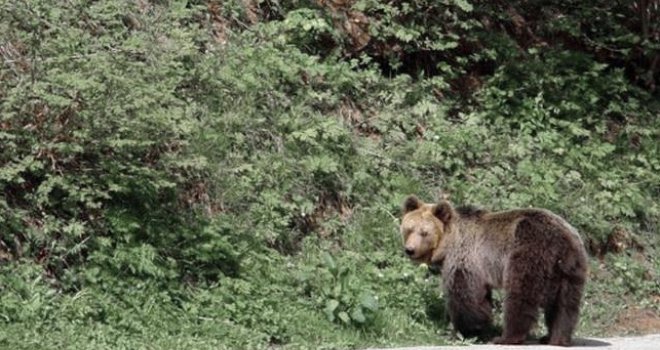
[[411, 203], [443, 211]]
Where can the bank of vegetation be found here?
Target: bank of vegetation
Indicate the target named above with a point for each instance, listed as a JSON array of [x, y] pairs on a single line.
[[228, 174]]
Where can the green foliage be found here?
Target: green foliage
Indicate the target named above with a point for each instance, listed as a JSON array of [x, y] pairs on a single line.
[[634, 276], [227, 174], [569, 128], [97, 140], [421, 36], [341, 295]]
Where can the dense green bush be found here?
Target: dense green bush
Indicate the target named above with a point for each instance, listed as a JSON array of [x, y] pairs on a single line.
[[198, 173], [96, 129]]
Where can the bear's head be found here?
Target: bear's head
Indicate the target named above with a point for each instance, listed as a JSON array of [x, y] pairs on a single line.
[[423, 227]]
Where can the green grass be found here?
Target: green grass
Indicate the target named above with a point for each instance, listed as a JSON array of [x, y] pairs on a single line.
[[279, 301], [175, 174]]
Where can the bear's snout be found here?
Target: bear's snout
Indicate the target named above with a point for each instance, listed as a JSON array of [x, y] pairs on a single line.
[[410, 251]]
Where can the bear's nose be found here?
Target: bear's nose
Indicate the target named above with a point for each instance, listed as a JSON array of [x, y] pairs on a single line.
[[410, 251]]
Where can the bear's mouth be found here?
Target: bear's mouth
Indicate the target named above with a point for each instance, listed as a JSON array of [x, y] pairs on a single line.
[[417, 259], [424, 258]]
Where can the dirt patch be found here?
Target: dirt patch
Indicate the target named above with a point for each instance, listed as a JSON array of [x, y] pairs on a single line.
[[637, 321]]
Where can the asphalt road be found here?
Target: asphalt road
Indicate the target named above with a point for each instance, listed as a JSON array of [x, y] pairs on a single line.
[[646, 342]]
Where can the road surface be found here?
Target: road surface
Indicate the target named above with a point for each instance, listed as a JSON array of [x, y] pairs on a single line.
[[646, 342]]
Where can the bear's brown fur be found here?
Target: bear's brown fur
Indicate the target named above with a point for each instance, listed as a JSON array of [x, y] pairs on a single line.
[[533, 254]]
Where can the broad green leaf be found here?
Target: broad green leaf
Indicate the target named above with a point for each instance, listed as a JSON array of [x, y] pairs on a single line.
[[357, 315], [369, 302], [343, 316], [464, 5]]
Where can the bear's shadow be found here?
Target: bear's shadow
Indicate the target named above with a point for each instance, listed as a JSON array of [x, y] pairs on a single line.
[[577, 342]]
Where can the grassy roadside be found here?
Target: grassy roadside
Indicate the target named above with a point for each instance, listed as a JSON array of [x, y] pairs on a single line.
[[220, 175], [281, 302]]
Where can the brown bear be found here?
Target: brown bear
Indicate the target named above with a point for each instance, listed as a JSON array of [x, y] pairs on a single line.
[[533, 254]]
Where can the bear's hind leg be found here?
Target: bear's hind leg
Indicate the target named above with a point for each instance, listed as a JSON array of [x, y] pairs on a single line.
[[567, 309], [523, 293], [520, 313], [550, 316]]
